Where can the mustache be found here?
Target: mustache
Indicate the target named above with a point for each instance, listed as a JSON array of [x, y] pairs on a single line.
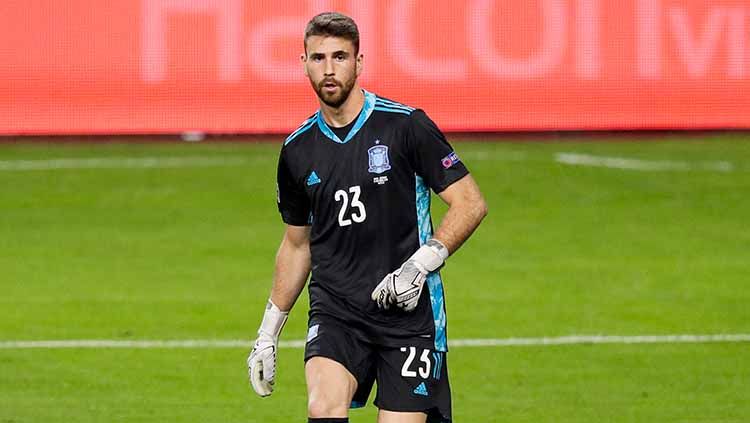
[[322, 83]]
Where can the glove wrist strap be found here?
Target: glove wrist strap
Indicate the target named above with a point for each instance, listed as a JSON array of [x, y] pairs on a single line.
[[431, 255], [273, 320], [438, 247]]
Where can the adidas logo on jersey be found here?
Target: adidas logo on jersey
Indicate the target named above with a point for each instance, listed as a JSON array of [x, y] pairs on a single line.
[[313, 179], [421, 390]]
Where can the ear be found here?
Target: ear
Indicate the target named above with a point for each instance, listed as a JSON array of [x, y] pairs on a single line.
[[360, 63], [303, 61]]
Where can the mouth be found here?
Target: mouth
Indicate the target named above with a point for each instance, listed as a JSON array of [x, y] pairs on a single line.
[[330, 86]]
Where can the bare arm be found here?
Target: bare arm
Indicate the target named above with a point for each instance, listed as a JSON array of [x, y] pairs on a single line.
[[466, 209], [292, 267]]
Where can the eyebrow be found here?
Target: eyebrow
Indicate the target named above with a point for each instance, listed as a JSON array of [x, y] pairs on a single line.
[[335, 53]]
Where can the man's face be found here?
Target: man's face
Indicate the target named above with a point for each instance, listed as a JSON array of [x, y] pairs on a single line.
[[332, 67]]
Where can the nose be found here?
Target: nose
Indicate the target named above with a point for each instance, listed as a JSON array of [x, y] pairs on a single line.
[[328, 71]]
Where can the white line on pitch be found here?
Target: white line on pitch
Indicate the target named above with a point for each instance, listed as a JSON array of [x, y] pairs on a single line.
[[480, 342], [121, 163], [499, 156], [638, 164]]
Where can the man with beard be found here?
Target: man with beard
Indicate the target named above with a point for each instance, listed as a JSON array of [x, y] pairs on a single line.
[[354, 186]]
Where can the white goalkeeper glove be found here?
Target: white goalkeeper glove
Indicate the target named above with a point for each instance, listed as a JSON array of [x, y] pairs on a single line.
[[403, 286], [261, 364]]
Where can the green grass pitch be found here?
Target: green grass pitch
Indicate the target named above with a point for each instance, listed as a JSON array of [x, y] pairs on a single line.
[[176, 253]]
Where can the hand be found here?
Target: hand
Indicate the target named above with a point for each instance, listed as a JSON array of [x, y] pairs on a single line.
[[403, 286], [261, 364]]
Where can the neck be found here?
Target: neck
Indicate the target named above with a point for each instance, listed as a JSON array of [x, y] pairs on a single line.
[[347, 112]]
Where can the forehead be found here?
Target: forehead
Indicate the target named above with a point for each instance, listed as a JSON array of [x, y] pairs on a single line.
[[327, 44]]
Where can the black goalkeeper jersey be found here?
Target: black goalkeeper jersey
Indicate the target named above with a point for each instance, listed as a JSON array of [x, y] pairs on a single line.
[[367, 199]]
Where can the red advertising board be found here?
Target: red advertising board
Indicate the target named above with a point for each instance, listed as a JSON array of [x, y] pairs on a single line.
[[232, 66]]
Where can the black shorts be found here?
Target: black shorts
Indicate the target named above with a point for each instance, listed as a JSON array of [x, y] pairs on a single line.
[[409, 378]]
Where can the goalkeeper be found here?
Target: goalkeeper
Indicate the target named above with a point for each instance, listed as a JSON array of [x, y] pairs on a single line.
[[354, 185]]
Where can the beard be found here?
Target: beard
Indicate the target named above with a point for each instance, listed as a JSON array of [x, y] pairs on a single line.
[[337, 98]]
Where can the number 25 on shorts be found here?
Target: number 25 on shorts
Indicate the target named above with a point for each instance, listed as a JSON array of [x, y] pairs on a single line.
[[425, 367]]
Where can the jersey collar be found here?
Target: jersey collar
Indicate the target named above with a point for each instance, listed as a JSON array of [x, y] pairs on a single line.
[[367, 109]]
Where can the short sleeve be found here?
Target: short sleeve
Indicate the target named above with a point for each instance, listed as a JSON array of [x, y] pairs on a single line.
[[432, 156], [292, 200]]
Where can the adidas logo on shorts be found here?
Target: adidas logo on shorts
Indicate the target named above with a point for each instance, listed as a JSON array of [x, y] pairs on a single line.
[[421, 390]]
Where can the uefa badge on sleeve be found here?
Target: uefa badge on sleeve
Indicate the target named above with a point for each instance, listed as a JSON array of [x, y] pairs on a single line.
[[449, 160], [378, 159]]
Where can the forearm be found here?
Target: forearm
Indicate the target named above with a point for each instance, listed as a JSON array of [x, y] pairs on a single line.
[[458, 224], [466, 209], [292, 268], [291, 272]]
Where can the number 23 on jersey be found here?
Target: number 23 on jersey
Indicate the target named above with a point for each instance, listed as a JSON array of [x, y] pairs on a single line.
[[351, 210]]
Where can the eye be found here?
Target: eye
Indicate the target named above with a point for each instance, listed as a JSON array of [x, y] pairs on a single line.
[[340, 57]]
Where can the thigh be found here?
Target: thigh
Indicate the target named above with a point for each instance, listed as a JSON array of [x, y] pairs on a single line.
[[330, 386], [332, 346], [385, 416], [413, 380]]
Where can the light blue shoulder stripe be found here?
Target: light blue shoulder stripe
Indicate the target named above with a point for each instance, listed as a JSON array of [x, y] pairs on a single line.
[[391, 106], [367, 109], [393, 103], [304, 127], [308, 120], [388, 109]]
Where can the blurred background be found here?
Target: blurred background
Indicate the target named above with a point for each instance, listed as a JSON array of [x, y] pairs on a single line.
[[610, 139], [232, 66]]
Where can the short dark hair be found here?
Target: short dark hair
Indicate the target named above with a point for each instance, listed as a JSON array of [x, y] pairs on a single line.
[[333, 24]]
